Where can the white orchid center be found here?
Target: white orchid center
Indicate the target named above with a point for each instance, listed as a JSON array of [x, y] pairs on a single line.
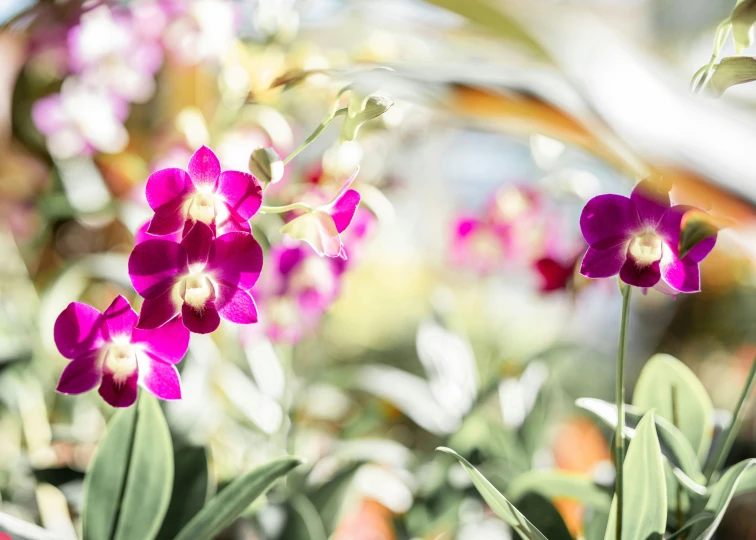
[[202, 208], [196, 289], [121, 361], [646, 248]]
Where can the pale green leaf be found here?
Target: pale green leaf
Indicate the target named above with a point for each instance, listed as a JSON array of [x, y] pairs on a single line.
[[645, 492], [560, 484], [225, 507], [695, 411], [498, 503], [742, 19]]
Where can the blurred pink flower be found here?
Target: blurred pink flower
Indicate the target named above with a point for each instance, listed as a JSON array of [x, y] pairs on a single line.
[[107, 350]]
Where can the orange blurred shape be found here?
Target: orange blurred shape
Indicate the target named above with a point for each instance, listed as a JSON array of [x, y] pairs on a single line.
[[369, 520]]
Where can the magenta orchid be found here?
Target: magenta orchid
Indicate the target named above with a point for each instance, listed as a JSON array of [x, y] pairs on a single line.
[[639, 239], [321, 227], [107, 350], [205, 278], [222, 200]]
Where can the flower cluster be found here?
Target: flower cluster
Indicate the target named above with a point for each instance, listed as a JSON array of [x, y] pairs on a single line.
[[195, 263], [638, 237]]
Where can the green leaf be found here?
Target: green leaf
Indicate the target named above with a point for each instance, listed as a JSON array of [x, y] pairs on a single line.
[[728, 72], [225, 507], [128, 487], [721, 494], [503, 508], [695, 412], [645, 492], [742, 19], [303, 521], [191, 489], [560, 484], [544, 516], [594, 524]]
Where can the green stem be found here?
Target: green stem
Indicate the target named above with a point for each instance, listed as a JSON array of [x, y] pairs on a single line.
[[281, 209], [314, 135], [732, 431], [619, 436]]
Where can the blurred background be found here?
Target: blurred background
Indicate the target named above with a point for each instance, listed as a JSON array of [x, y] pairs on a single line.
[[458, 318]]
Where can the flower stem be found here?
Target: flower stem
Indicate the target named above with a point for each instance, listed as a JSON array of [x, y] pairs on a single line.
[[619, 436], [281, 209], [314, 135], [732, 431]]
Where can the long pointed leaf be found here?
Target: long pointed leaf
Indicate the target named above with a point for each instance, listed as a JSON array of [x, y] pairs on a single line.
[[225, 507], [560, 484]]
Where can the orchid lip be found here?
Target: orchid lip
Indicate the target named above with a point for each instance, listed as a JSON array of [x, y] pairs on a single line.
[[121, 360], [195, 290], [645, 248], [202, 207]]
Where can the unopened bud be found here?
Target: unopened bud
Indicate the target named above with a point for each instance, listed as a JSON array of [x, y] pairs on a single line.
[[266, 165], [371, 108]]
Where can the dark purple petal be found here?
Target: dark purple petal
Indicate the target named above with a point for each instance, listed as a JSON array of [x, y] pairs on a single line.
[[640, 276], [681, 276], [201, 321], [670, 229], [236, 305], [342, 209], [157, 311], [121, 392], [119, 319], [236, 259], [141, 235], [204, 168], [232, 223], [155, 265], [168, 342], [608, 220], [602, 263], [700, 250], [242, 192], [168, 188], [78, 330], [197, 243], [650, 202], [289, 258], [81, 374], [166, 224], [160, 378]]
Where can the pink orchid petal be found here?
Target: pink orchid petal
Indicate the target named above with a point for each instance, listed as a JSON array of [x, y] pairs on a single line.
[[78, 330], [119, 319], [197, 243], [157, 311], [681, 276], [160, 378], [167, 189], [48, 114], [288, 257], [602, 263], [640, 276], [201, 322], [670, 228], [167, 342], [154, 266], [228, 223], [236, 259], [141, 235], [166, 225], [242, 193], [119, 393], [318, 230], [81, 375], [204, 168], [236, 305], [650, 202], [608, 220], [343, 208]]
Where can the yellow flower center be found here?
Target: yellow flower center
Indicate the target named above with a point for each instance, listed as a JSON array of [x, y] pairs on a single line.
[[121, 361], [646, 248], [196, 290], [202, 208]]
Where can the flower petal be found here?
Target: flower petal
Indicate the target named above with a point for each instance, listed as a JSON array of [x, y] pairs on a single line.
[[160, 378], [602, 263], [82, 374], [78, 330], [242, 192], [154, 266], [167, 188], [342, 209], [318, 230], [681, 276], [141, 235], [168, 342], [120, 392], [166, 224], [119, 318], [650, 202], [202, 322], [49, 115], [198, 242], [608, 220], [236, 259], [157, 311], [670, 228], [236, 305], [204, 168], [640, 276]]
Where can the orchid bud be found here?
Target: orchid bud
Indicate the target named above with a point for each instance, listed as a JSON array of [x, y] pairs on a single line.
[[266, 165], [360, 112]]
